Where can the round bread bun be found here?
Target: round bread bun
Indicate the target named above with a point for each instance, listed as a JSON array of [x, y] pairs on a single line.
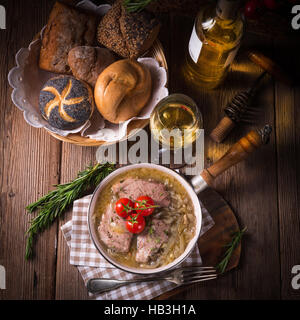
[[66, 102], [122, 90]]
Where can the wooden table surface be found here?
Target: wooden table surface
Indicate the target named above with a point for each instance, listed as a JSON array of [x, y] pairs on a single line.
[[263, 190]]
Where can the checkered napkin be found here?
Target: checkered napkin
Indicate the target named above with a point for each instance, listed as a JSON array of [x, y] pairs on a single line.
[[91, 264]]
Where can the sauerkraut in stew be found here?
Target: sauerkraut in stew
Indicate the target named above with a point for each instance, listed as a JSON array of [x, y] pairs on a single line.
[[157, 221]]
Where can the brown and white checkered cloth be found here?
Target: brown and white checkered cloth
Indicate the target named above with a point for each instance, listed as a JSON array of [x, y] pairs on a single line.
[[91, 264]]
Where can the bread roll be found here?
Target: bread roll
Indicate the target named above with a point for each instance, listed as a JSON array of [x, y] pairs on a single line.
[[87, 63], [122, 90], [67, 27], [66, 103]]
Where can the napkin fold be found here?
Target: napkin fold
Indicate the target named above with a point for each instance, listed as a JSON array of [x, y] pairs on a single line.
[[91, 264]]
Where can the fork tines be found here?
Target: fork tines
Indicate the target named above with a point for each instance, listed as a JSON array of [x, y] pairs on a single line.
[[197, 274]]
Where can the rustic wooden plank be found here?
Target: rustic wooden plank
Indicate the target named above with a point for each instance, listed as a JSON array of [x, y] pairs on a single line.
[[250, 187], [29, 167], [69, 284], [288, 156]]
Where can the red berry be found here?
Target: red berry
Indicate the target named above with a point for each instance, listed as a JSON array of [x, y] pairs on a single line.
[[271, 4], [251, 9]]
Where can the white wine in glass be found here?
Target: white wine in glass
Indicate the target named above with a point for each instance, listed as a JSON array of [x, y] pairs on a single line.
[[175, 122]]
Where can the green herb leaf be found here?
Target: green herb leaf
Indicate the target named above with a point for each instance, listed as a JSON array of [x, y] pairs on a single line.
[[136, 5], [150, 230], [221, 267], [54, 204]]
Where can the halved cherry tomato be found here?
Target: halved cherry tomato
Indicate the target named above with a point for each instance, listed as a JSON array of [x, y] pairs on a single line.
[[142, 203], [135, 223], [123, 207]]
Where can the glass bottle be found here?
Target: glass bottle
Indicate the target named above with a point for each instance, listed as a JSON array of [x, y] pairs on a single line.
[[214, 42]]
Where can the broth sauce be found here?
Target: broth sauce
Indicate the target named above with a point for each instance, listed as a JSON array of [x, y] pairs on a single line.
[[179, 216]]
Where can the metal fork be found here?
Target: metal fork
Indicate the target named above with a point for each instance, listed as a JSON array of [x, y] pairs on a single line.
[[185, 275]]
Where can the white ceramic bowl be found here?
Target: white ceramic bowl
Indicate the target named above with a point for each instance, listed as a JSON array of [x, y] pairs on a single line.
[[93, 228]]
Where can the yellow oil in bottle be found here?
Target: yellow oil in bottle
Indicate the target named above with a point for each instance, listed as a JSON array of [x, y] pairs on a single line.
[[213, 44]]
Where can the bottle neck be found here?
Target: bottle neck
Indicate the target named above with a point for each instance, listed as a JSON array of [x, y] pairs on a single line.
[[227, 9]]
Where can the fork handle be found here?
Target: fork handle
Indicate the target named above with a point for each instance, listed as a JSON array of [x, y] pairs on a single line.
[[99, 285]]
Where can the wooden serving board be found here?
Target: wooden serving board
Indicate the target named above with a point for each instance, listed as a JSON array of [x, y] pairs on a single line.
[[211, 244]]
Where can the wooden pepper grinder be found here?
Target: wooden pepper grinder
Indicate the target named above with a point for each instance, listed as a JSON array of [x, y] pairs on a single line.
[[239, 109]]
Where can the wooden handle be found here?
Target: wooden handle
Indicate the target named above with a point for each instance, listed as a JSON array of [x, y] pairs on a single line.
[[270, 66], [222, 129], [238, 152]]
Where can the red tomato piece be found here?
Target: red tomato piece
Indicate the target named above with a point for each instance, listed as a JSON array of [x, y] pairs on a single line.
[[142, 203], [135, 223], [123, 207]]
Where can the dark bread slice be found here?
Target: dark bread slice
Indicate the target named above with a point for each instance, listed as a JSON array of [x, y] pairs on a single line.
[[109, 32], [127, 34], [139, 31]]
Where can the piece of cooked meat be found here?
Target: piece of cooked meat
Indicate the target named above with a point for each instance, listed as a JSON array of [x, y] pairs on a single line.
[[134, 188], [150, 240], [113, 232]]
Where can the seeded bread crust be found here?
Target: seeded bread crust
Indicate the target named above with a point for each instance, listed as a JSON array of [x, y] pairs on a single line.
[[65, 102], [139, 31], [109, 32], [127, 34], [67, 28]]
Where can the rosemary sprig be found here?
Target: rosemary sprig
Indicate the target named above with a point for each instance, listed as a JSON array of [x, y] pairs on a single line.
[[221, 267], [136, 5], [53, 205]]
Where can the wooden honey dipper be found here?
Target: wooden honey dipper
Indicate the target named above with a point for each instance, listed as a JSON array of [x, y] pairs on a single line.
[[239, 110]]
